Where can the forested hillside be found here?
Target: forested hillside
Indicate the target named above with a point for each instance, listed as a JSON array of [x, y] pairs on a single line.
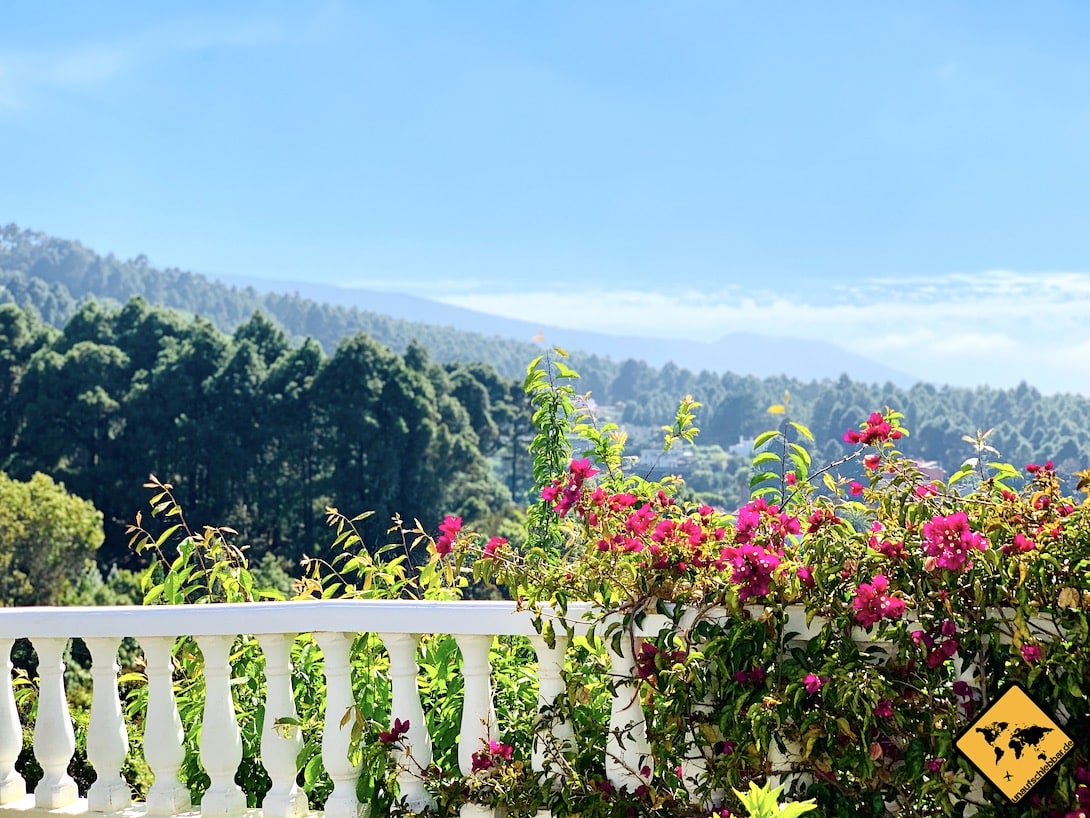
[[54, 275], [267, 407], [255, 433]]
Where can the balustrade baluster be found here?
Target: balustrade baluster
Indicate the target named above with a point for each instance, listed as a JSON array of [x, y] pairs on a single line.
[[163, 735], [478, 718], [107, 739], [414, 752], [280, 747], [552, 734], [12, 785], [221, 742], [627, 750], [694, 762], [337, 735], [54, 740]]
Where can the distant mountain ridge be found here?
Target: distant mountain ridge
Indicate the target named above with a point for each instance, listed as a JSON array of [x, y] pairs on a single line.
[[54, 274], [744, 353]]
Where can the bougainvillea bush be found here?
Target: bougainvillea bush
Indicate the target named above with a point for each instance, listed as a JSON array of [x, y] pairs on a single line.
[[833, 636], [837, 632]]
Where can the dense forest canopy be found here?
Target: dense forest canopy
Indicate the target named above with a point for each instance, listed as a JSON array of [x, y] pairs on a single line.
[[266, 408], [254, 431]]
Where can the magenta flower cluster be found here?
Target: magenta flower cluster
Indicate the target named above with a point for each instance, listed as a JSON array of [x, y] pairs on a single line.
[[395, 733], [487, 758], [873, 602], [949, 541], [649, 657], [938, 642], [449, 530], [564, 493], [876, 430]]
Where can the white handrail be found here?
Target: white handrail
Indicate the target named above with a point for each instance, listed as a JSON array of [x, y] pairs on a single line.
[[230, 619]]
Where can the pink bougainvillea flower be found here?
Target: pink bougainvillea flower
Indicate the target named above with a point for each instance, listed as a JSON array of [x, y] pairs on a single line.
[[884, 709], [893, 550], [486, 759], [448, 531], [945, 650], [1020, 545], [752, 568], [1031, 653], [500, 750], [806, 574], [755, 676], [872, 461], [394, 734], [645, 660], [820, 517], [948, 542], [492, 546], [582, 469], [813, 683], [567, 500], [640, 520], [873, 602], [877, 429], [790, 478]]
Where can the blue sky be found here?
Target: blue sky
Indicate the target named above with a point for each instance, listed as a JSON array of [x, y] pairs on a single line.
[[911, 180]]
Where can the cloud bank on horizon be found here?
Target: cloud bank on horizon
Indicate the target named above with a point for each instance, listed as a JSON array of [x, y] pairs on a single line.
[[997, 328]]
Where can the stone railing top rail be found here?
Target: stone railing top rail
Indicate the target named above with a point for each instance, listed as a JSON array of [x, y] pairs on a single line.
[[228, 619]]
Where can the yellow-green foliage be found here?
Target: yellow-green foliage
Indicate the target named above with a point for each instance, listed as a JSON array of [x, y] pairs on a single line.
[[48, 538]]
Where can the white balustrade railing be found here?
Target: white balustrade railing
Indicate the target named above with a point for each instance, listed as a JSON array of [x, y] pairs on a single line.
[[215, 628], [334, 625]]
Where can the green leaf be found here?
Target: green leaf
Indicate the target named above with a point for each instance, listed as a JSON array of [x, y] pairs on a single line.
[[960, 474], [564, 371], [802, 430], [763, 438], [765, 457], [1004, 471], [801, 453], [312, 772]]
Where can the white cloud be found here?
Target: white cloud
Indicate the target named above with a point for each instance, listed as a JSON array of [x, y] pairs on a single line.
[[998, 327], [28, 74]]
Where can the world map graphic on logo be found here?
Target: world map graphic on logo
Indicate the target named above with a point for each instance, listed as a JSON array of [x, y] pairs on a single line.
[[1017, 740]]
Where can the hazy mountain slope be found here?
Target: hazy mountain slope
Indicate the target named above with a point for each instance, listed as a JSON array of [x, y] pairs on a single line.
[[54, 274], [742, 352]]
